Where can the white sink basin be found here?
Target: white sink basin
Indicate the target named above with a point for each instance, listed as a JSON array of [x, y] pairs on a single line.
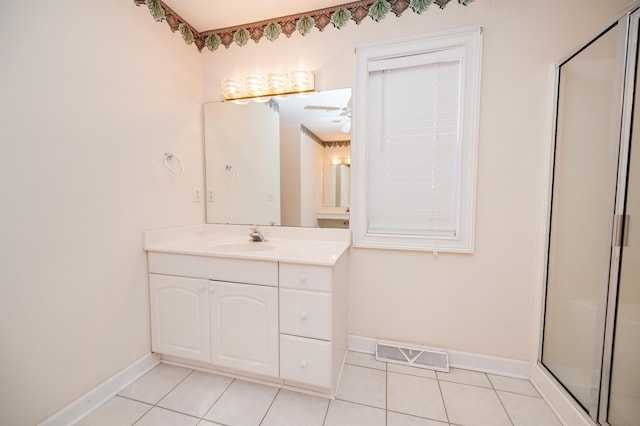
[[240, 247]]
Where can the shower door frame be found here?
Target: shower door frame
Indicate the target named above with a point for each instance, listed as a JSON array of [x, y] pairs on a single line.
[[598, 407], [631, 76]]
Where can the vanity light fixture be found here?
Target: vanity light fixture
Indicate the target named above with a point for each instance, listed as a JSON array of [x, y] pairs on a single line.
[[261, 88]]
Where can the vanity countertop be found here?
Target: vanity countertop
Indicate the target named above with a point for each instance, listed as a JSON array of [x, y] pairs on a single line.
[[283, 244], [339, 213]]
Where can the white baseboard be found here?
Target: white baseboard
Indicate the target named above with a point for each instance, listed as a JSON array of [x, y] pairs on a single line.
[[102, 393], [457, 359]]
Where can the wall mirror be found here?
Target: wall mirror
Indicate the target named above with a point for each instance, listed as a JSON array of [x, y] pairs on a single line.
[[282, 162]]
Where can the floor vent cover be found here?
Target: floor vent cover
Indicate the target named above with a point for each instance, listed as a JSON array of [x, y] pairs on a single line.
[[413, 356]]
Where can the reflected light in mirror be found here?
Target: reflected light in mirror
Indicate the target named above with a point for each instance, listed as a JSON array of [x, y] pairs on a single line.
[[336, 161]]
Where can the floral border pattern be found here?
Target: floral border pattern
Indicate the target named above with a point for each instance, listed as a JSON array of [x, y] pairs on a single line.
[[271, 29], [325, 144]]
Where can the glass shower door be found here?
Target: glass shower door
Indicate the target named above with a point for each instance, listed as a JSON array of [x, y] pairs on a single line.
[[582, 212], [624, 387]]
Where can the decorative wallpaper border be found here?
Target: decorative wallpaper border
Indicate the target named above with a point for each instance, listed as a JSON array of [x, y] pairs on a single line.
[[325, 144], [338, 16]]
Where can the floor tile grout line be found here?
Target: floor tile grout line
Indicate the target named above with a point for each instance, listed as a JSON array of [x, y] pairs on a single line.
[[217, 399], [500, 399], [466, 384], [359, 403], [270, 405], [444, 404], [417, 416], [326, 412], [200, 418], [172, 389], [413, 375], [386, 394], [492, 387], [136, 400], [144, 414], [537, 396], [173, 411], [503, 407], [365, 366], [163, 396]]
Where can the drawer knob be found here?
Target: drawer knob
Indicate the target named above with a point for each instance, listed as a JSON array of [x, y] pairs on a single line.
[[303, 316], [303, 364], [303, 278]]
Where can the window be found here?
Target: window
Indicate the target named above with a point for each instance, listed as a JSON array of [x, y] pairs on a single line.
[[416, 142]]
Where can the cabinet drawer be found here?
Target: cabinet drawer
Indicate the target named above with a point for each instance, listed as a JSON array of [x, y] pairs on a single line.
[[305, 313], [305, 277], [306, 361], [214, 268]]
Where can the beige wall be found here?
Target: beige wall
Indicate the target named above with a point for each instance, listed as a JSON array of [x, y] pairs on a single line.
[[290, 195], [310, 180], [482, 303], [93, 93]]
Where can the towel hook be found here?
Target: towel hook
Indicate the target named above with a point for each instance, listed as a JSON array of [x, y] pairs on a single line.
[[232, 174], [168, 157]]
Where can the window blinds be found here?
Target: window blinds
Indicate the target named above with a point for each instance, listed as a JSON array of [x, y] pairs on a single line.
[[414, 144]]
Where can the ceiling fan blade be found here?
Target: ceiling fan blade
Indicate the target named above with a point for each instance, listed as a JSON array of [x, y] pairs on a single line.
[[324, 108]]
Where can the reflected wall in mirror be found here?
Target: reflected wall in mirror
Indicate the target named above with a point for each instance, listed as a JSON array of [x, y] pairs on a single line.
[[336, 185], [284, 162]]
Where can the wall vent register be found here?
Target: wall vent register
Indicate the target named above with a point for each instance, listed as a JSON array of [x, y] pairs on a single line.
[[412, 356]]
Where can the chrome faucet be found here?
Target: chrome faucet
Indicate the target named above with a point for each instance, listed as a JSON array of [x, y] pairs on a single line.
[[256, 235]]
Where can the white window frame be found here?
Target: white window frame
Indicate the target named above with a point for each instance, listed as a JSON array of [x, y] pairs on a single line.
[[470, 40]]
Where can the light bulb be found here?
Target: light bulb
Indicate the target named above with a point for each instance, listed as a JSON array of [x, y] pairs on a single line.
[[255, 85], [232, 88], [277, 83], [301, 80]]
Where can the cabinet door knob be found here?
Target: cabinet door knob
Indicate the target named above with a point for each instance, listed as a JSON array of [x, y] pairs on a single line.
[[303, 364], [303, 316], [303, 278], [201, 287], [212, 289]]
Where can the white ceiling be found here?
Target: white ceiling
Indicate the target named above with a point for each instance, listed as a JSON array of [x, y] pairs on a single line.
[[329, 116], [206, 15]]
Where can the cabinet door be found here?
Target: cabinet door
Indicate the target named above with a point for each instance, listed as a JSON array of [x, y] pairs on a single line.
[[244, 327], [180, 317]]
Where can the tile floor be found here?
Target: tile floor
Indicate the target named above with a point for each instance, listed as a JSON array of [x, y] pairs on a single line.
[[371, 393]]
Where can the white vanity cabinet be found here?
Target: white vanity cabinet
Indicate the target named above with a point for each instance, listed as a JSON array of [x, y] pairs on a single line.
[[276, 315], [231, 324]]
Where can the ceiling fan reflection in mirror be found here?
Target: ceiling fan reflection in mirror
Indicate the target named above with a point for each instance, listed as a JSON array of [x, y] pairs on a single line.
[[344, 116], [318, 113]]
